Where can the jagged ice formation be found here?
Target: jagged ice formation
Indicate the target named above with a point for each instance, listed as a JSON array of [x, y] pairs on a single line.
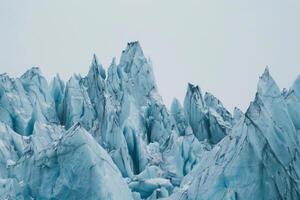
[[108, 135]]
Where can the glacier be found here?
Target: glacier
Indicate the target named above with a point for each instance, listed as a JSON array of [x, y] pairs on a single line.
[[108, 135]]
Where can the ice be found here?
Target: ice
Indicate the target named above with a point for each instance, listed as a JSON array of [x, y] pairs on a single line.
[[180, 118], [207, 116], [237, 115], [293, 103], [58, 164], [95, 82], [77, 106], [11, 189], [57, 87], [258, 160], [215, 104], [26, 100], [108, 135], [147, 187]]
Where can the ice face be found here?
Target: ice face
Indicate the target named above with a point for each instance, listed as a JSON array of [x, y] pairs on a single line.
[[108, 135], [77, 106], [26, 100], [207, 116], [237, 115], [57, 87], [215, 104], [293, 103], [259, 155], [95, 81], [56, 164], [181, 122]]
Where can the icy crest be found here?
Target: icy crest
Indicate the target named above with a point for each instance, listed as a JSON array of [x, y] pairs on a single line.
[[258, 160], [26, 100], [207, 116]]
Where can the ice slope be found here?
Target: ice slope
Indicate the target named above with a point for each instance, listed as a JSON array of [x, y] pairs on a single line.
[[56, 164], [77, 106], [108, 135], [293, 103], [207, 116], [57, 87], [258, 160], [25, 100]]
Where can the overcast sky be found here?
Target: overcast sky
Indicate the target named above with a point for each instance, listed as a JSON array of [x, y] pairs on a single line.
[[223, 46]]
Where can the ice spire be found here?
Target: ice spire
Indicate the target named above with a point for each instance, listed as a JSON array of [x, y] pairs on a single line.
[[194, 95], [57, 87], [180, 118], [96, 68], [32, 72], [132, 51], [267, 86]]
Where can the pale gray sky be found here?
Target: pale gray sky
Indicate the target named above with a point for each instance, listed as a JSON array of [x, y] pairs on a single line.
[[223, 46]]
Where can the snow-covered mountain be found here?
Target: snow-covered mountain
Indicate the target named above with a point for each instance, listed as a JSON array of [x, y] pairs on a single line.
[[108, 135]]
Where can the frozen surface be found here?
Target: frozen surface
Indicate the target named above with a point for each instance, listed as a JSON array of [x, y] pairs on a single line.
[[258, 160], [108, 135], [56, 164], [208, 118]]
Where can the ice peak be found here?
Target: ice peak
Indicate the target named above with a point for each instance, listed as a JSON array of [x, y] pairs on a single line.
[[134, 45], [175, 106], [133, 50], [94, 60], [57, 80], [34, 71], [5, 80], [267, 86], [266, 71], [194, 94], [4, 77], [237, 114], [96, 68], [193, 88]]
